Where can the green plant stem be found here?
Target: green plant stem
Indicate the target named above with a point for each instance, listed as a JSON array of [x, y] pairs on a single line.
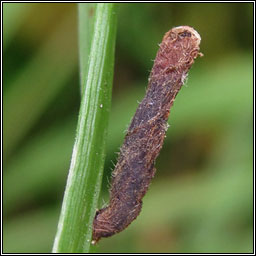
[[86, 14], [85, 174]]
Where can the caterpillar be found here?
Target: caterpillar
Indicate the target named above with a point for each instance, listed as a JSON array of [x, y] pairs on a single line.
[[144, 139]]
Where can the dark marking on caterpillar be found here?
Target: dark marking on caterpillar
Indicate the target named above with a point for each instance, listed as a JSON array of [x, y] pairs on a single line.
[[144, 139]]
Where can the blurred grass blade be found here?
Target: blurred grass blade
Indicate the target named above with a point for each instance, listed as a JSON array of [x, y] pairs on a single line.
[[48, 155], [37, 85], [86, 13], [85, 174], [11, 14]]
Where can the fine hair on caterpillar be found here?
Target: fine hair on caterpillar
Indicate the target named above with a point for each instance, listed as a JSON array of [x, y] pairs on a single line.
[[145, 135]]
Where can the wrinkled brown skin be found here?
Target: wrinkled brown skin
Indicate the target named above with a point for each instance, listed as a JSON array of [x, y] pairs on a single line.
[[145, 136]]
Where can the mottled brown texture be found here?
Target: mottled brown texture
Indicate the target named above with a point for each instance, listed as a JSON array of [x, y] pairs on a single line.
[[144, 139]]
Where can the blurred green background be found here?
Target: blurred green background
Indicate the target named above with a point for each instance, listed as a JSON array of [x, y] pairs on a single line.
[[201, 199]]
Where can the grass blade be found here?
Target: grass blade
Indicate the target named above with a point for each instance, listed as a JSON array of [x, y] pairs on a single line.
[[86, 13], [85, 174], [36, 86], [12, 13]]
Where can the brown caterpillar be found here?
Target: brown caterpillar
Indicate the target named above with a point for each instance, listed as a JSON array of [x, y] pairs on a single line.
[[144, 139]]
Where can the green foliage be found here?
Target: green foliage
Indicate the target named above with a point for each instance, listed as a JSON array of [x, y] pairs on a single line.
[[201, 199], [86, 168], [86, 13]]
